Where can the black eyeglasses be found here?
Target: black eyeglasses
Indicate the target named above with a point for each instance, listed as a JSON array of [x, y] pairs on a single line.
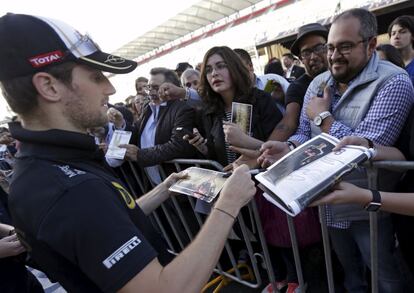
[[318, 49], [345, 48]]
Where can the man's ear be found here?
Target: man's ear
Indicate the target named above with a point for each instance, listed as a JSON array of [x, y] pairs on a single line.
[[372, 45], [47, 86]]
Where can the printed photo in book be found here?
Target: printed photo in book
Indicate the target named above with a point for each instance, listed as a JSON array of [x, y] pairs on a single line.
[[241, 114], [201, 183], [308, 172]]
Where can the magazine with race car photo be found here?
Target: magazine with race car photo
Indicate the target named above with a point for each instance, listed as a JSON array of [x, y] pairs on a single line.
[[201, 183], [308, 172]]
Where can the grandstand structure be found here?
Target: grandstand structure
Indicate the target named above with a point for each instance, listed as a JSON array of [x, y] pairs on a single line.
[[265, 28]]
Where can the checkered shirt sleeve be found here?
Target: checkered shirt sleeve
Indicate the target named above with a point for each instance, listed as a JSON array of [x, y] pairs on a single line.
[[382, 123]]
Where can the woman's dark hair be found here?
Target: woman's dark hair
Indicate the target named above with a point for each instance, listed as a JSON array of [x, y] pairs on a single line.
[[391, 54], [274, 67], [239, 75], [20, 93]]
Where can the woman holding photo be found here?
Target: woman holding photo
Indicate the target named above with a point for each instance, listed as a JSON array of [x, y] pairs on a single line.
[[224, 80]]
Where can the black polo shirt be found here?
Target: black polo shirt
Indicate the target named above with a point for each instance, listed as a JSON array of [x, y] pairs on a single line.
[[297, 90], [81, 225]]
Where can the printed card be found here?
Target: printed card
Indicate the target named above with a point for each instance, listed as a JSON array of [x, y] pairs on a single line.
[[119, 137], [241, 114]]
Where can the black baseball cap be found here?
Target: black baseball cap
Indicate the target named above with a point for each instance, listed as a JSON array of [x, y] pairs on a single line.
[[29, 44], [308, 29]]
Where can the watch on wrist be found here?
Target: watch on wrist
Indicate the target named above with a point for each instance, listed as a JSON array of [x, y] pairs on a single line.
[[375, 204], [320, 117], [291, 145]]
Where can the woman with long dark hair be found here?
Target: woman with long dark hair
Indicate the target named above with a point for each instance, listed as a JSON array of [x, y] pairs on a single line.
[[224, 80]]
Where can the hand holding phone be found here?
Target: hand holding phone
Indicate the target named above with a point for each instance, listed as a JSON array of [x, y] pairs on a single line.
[[183, 131]]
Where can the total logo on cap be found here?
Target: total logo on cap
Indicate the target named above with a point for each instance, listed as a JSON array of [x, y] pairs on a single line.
[[46, 59]]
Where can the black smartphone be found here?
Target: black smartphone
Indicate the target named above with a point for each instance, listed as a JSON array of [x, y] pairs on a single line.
[[182, 131]]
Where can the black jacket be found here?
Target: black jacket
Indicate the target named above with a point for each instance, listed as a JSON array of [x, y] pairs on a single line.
[[265, 117], [297, 72], [168, 143]]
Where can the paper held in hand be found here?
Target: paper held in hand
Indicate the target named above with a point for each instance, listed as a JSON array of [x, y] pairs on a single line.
[[201, 183], [308, 172], [241, 114], [118, 137]]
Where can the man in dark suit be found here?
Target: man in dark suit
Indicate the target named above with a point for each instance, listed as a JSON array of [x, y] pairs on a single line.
[[155, 139], [292, 71]]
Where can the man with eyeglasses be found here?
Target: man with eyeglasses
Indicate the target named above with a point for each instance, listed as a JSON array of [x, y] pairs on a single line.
[[360, 95], [310, 47], [72, 214]]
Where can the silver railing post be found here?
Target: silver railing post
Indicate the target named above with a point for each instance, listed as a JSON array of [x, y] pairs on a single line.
[[296, 254], [326, 249]]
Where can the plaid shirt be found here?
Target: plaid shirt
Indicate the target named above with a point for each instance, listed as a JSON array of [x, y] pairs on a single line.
[[382, 123]]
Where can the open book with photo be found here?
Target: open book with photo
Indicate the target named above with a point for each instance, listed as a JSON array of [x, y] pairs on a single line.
[[201, 183], [308, 172]]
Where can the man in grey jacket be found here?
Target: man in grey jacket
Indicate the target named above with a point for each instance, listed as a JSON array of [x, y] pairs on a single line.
[[363, 96]]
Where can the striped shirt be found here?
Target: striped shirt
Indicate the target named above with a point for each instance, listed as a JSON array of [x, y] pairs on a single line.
[[231, 156], [382, 123]]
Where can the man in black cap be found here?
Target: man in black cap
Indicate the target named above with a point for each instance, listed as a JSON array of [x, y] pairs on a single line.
[[310, 47], [78, 222]]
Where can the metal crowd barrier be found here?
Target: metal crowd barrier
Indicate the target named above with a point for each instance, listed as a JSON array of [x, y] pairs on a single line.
[[372, 173], [178, 234], [260, 250]]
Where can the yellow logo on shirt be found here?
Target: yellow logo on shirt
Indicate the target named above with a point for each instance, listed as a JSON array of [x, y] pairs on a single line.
[[129, 200]]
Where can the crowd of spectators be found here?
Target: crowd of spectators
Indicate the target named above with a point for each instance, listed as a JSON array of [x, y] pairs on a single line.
[[366, 100]]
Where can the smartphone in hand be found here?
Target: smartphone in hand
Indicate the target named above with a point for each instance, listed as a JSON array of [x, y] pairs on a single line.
[[183, 131]]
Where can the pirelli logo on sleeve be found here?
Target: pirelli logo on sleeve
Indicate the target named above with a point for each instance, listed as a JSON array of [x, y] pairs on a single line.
[[121, 252]]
